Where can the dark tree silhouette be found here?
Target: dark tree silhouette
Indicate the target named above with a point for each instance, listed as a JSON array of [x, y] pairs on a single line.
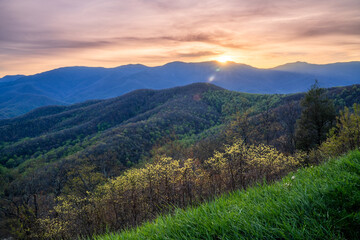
[[317, 117]]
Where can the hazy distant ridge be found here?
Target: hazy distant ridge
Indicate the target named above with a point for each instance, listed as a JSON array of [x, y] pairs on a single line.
[[20, 94]]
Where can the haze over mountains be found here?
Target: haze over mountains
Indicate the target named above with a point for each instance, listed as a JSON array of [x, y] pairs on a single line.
[[20, 94]]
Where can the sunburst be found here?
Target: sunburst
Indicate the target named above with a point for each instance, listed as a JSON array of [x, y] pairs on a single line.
[[224, 59]]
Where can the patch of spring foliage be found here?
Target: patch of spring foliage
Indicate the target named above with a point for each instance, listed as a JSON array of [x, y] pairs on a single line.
[[320, 202], [143, 193]]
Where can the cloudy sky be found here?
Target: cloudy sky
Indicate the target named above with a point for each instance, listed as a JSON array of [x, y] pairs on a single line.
[[39, 35]]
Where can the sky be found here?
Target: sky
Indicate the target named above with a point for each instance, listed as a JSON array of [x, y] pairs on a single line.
[[39, 35]]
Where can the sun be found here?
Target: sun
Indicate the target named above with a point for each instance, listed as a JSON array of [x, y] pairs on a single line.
[[224, 59]]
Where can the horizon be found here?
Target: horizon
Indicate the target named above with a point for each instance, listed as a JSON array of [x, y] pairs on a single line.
[[41, 35], [215, 61]]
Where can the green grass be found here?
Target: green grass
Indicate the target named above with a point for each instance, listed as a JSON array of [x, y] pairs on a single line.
[[320, 202]]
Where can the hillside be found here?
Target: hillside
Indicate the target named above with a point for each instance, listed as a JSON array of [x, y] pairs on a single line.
[[126, 128], [314, 203], [43, 152], [64, 86], [112, 135], [181, 110], [9, 78]]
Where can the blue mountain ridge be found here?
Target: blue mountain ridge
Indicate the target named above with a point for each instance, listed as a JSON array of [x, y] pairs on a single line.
[[20, 94]]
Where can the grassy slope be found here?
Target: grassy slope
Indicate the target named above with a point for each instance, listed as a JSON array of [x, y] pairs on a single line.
[[320, 202]]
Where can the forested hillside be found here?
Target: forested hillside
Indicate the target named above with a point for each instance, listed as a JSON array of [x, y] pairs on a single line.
[[59, 154]]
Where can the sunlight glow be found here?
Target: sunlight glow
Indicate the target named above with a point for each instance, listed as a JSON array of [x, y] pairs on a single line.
[[211, 78], [224, 59]]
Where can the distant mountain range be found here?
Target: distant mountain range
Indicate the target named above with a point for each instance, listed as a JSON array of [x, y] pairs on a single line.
[[20, 94]]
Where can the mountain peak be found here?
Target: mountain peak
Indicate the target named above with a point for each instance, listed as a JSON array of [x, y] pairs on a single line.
[[132, 65], [10, 78], [292, 66]]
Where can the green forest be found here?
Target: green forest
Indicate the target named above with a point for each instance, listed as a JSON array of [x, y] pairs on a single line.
[[104, 166]]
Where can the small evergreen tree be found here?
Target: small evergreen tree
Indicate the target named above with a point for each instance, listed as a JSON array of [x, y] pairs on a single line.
[[317, 117]]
